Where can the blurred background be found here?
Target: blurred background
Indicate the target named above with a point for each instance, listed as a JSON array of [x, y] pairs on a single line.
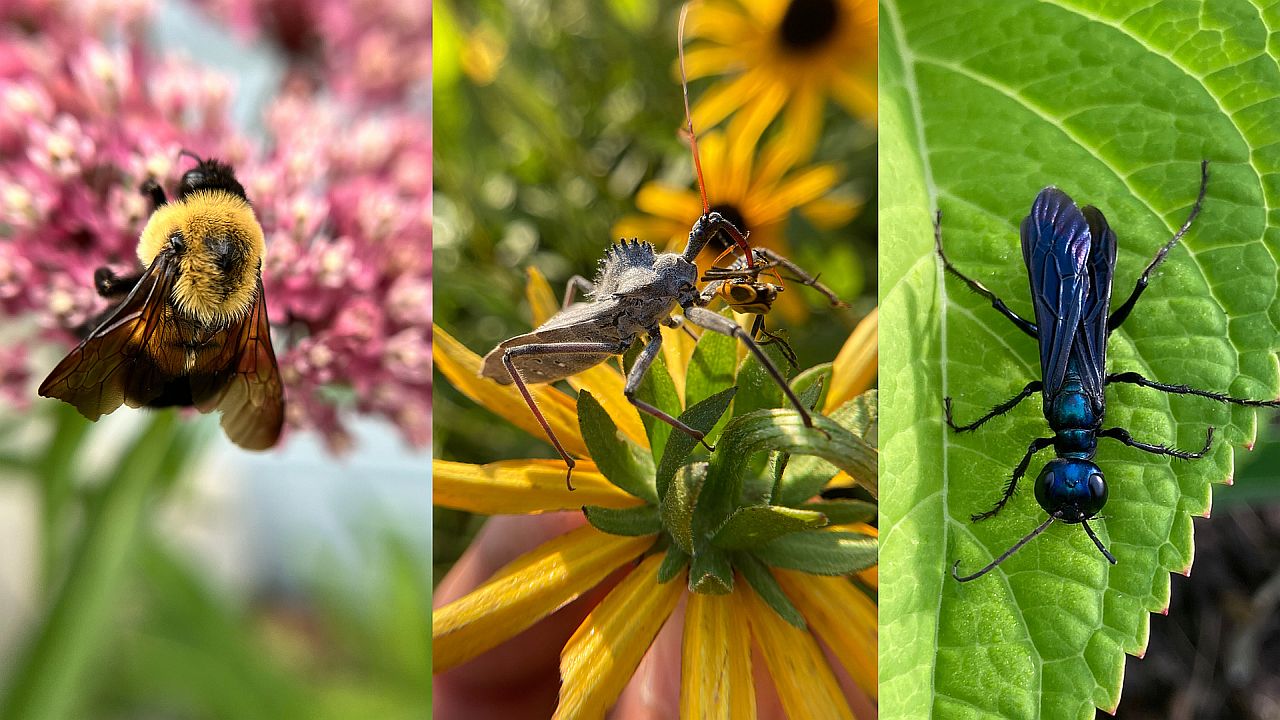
[[148, 567], [560, 128]]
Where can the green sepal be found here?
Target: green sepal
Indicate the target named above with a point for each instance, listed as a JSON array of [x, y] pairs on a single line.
[[766, 586], [821, 553], [710, 571], [806, 476], [625, 464], [657, 389], [672, 564], [631, 522], [844, 511], [678, 505], [756, 525], [702, 417]]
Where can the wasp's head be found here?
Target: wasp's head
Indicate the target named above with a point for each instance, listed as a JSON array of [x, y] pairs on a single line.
[[1071, 489]]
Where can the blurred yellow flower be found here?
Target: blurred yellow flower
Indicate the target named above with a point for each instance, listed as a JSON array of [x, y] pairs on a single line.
[[783, 56], [603, 654]]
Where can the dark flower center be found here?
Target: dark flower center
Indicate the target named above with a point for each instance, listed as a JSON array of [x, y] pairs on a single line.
[[808, 24], [733, 215]]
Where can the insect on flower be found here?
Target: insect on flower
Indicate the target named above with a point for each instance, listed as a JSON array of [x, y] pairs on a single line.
[[1070, 254], [189, 328], [636, 290]]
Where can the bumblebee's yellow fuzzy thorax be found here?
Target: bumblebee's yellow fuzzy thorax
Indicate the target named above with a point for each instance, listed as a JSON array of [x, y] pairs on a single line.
[[221, 256]]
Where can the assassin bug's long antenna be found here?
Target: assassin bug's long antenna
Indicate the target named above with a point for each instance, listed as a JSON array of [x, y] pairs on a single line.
[[738, 238]]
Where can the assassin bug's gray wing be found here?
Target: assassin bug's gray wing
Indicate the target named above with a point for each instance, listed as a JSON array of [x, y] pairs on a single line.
[[1091, 345], [1055, 247], [578, 321]]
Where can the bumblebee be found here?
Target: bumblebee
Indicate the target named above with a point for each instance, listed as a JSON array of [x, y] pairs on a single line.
[[189, 328]]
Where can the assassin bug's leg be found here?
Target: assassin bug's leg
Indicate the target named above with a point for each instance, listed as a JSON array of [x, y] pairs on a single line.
[[1036, 446], [636, 376], [716, 323], [553, 349], [1118, 433], [1023, 324], [801, 276], [152, 190], [1118, 316], [1032, 387], [576, 284], [109, 285], [1135, 379], [676, 322]]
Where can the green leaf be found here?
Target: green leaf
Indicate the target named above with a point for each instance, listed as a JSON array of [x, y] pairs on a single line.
[[981, 105], [843, 512], [710, 367], [678, 504], [756, 387], [767, 587], [632, 522], [657, 389], [624, 463], [702, 417], [816, 375], [674, 561], [755, 525], [710, 572], [821, 552]]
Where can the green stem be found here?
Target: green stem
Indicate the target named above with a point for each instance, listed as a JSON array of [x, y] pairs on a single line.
[[55, 471], [48, 678]]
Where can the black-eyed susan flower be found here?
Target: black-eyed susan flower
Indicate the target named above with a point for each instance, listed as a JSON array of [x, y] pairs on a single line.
[[783, 56], [742, 533]]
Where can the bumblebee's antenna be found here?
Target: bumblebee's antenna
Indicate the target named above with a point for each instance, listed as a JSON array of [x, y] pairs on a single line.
[[955, 569], [187, 153], [738, 238]]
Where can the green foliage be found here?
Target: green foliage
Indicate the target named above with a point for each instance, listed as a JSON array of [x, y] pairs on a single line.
[[982, 104]]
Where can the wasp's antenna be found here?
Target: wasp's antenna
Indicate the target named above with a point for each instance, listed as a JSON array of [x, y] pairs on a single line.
[[688, 116], [1110, 558], [955, 569]]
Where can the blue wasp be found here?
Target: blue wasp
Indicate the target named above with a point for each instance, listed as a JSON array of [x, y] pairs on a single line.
[[1070, 253]]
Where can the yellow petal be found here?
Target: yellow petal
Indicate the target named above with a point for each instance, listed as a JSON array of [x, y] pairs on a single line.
[[528, 589], [603, 653], [462, 368], [855, 366], [715, 668], [843, 616], [856, 93], [677, 348], [662, 232], [699, 62], [802, 123], [800, 188], [720, 22], [721, 100], [748, 125], [832, 211], [522, 487], [804, 681], [680, 205], [603, 381]]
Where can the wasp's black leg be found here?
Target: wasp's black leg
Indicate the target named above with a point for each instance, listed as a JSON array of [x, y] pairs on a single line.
[[152, 190], [1135, 379], [109, 285], [758, 330], [1117, 433], [1023, 324], [1036, 446], [1032, 387], [1122, 312]]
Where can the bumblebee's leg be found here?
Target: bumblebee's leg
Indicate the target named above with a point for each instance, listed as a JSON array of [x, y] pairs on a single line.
[[1023, 324], [1036, 446], [553, 349], [636, 376], [1134, 378], [576, 284], [1122, 312], [716, 323], [801, 276], [1032, 387], [152, 190], [1118, 433], [109, 285]]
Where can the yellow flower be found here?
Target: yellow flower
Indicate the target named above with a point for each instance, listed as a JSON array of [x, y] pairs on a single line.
[[719, 630], [783, 56]]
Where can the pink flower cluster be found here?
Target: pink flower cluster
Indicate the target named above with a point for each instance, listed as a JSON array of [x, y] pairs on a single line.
[[343, 191]]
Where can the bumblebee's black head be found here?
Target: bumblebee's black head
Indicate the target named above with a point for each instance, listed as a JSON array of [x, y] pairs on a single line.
[[209, 174]]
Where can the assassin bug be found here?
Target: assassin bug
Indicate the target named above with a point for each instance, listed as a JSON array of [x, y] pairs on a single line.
[[636, 290], [1070, 254]]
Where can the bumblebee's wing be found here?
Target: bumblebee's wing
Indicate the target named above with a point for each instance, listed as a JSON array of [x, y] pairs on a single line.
[[1055, 246], [111, 366], [246, 388]]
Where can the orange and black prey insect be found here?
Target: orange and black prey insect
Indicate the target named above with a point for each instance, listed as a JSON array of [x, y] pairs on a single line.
[[190, 327]]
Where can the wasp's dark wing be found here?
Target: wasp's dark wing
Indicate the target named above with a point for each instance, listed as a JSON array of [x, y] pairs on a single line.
[[245, 382], [112, 365], [1055, 247], [1091, 345]]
